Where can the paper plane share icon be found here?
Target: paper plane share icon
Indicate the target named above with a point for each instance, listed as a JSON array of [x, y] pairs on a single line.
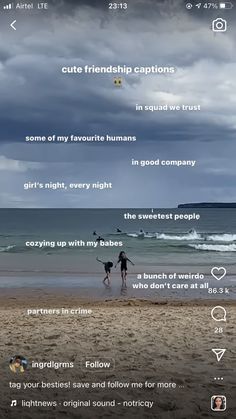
[[219, 353]]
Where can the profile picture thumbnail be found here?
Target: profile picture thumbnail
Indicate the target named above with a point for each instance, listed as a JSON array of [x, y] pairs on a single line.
[[18, 364], [218, 403]]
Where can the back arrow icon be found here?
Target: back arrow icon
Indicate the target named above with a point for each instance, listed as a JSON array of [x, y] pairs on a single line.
[[12, 25]]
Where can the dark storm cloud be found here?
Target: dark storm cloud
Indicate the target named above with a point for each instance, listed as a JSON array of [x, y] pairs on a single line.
[[37, 99]]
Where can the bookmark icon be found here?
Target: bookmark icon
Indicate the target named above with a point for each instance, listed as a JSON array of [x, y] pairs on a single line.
[[219, 353]]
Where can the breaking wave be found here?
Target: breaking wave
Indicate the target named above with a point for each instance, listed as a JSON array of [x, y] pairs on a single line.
[[189, 236], [215, 247], [222, 237], [7, 248]]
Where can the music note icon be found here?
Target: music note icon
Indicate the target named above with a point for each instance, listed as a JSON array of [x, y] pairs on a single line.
[[13, 403]]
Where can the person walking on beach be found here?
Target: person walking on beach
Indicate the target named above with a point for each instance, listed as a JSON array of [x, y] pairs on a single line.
[[107, 267], [123, 259]]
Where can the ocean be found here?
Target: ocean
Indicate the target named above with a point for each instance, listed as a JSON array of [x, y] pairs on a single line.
[[152, 245]]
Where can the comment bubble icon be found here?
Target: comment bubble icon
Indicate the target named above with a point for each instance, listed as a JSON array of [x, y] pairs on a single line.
[[218, 313]]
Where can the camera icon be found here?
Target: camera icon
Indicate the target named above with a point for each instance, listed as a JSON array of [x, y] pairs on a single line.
[[219, 25]]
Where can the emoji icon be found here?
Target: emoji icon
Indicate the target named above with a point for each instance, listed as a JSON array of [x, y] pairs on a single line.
[[117, 81]]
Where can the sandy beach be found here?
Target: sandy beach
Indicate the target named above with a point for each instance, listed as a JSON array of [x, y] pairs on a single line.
[[147, 341]]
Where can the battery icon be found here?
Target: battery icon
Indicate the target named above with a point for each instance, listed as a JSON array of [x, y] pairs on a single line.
[[226, 5]]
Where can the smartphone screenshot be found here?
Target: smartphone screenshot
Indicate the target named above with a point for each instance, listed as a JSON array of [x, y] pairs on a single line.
[[117, 209]]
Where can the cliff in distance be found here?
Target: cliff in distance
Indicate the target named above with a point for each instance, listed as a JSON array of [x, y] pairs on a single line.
[[208, 205]]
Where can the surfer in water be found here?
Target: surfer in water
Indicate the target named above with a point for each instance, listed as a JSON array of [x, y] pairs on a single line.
[[123, 259], [141, 234], [107, 267], [99, 239], [118, 230]]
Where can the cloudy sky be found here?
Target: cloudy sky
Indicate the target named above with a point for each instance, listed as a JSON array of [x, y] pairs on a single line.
[[37, 99]]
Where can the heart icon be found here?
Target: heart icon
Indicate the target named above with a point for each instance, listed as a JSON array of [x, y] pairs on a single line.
[[218, 272]]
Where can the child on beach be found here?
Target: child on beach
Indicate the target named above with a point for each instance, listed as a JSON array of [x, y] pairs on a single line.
[[123, 259], [107, 267]]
